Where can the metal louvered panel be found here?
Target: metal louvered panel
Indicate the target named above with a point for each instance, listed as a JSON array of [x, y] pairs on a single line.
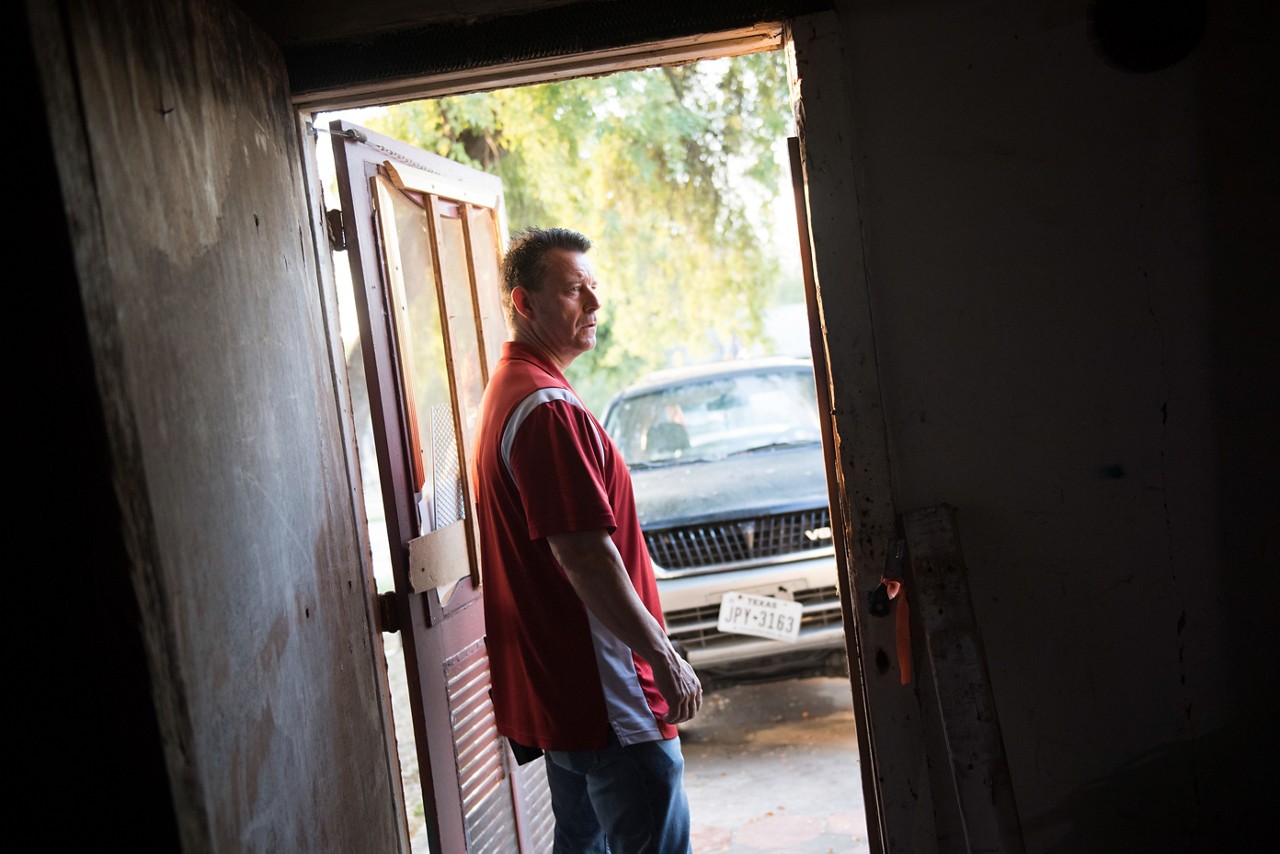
[[690, 549], [490, 827], [535, 796], [478, 750]]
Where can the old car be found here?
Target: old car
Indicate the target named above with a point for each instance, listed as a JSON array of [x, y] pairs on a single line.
[[731, 490]]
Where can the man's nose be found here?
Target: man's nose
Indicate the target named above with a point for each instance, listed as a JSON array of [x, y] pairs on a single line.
[[593, 299]]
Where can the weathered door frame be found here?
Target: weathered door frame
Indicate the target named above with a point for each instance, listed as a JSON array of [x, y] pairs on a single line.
[[888, 714], [891, 742]]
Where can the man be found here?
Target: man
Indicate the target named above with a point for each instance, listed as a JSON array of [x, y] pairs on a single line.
[[581, 665]]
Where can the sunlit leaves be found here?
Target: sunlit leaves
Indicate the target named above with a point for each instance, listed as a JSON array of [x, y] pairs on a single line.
[[670, 171]]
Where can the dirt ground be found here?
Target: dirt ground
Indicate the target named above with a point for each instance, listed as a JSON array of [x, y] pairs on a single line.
[[404, 743], [774, 768], [770, 768]]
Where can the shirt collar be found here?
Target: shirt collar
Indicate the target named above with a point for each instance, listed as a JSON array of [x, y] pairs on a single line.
[[529, 353]]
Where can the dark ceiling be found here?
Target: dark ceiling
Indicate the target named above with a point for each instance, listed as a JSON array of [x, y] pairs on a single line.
[[292, 22], [329, 45]]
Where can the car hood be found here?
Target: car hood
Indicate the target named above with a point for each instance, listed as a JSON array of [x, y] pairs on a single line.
[[758, 483]]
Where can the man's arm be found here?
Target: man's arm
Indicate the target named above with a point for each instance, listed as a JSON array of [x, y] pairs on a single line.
[[595, 569]]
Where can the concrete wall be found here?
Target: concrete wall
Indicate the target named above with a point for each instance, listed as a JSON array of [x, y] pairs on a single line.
[[1069, 266]]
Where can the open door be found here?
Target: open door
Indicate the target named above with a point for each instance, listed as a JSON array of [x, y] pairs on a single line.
[[424, 237]]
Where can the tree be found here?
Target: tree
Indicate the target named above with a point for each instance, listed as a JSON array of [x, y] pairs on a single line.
[[670, 171]]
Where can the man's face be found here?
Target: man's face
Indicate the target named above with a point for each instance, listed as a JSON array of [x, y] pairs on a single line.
[[561, 315]]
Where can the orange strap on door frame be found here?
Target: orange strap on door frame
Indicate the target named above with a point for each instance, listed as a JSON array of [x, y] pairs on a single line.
[[902, 626]]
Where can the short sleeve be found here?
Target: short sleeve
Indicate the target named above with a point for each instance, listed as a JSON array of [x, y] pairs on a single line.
[[557, 460]]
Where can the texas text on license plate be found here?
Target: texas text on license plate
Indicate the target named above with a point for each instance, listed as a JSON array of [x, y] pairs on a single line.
[[762, 616]]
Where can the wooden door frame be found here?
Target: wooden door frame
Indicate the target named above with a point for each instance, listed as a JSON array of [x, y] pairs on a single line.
[[888, 716]]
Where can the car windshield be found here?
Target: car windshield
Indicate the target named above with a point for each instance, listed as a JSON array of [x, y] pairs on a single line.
[[716, 417]]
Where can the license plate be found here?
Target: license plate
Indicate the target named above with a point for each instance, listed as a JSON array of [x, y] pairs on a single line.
[[761, 616]]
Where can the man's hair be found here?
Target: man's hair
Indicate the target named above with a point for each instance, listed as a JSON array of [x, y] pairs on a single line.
[[525, 263]]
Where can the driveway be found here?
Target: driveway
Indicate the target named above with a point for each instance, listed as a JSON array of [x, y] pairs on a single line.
[[774, 768]]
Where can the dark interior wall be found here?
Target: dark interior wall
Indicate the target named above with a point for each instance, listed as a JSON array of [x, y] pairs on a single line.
[[1069, 262], [228, 513], [90, 698]]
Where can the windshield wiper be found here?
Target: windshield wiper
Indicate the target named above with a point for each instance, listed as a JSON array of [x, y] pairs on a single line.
[[774, 446], [665, 463], [652, 464]]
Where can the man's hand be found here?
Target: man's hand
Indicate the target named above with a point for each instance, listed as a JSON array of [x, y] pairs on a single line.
[[681, 687]]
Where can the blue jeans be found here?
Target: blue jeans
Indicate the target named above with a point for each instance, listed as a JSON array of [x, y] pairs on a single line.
[[620, 800]]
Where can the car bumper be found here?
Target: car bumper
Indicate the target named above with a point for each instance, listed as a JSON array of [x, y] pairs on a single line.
[[691, 608]]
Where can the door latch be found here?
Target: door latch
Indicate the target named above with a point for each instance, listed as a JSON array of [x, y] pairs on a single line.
[[880, 600], [333, 229]]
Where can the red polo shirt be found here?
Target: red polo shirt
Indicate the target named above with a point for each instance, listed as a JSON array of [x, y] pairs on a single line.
[[543, 465]]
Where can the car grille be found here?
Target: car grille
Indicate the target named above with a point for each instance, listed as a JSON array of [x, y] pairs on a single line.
[[741, 541], [695, 628]]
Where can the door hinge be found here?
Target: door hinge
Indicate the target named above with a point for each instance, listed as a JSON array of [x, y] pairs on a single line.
[[333, 227], [388, 614]]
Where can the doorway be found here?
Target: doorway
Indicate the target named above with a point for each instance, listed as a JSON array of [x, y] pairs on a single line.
[[740, 342]]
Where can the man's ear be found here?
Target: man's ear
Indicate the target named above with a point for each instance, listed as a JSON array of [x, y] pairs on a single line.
[[521, 299]]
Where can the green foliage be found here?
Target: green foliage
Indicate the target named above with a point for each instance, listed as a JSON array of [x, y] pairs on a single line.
[[670, 171]]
